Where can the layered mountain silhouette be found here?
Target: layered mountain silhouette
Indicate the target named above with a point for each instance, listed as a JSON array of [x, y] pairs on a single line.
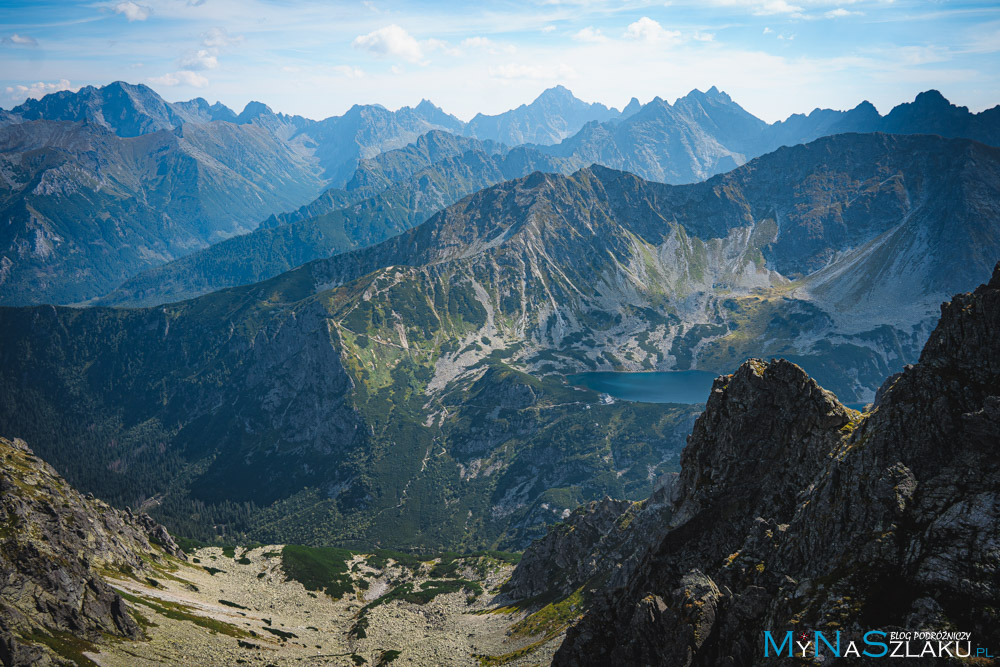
[[188, 174], [703, 134], [411, 184], [418, 380]]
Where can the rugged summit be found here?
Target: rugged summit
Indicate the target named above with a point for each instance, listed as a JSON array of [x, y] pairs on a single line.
[[795, 513], [550, 118], [387, 195], [54, 544], [706, 133]]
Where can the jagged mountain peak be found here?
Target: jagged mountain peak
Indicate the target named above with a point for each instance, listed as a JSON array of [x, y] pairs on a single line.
[[632, 107], [712, 93], [426, 105], [557, 92], [967, 351], [254, 109], [129, 109], [931, 98]]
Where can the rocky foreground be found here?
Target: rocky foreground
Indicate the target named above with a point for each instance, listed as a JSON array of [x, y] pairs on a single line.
[[82, 583], [793, 512], [56, 546]]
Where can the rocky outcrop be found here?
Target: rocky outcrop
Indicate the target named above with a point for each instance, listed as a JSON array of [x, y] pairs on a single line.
[[566, 557], [54, 543], [794, 513], [598, 545]]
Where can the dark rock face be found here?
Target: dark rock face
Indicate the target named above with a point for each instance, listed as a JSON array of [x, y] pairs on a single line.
[[565, 558], [598, 545], [793, 512], [53, 542]]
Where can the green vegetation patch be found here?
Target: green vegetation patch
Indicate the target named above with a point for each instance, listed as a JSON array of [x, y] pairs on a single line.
[[387, 656], [552, 618], [65, 645], [380, 558], [180, 612], [319, 568], [189, 545], [503, 659], [428, 591]]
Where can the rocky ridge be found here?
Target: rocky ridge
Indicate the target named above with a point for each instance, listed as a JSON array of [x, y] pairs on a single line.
[[597, 546], [56, 548], [793, 512]]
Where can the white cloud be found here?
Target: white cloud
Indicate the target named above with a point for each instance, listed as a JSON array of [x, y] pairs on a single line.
[[180, 78], [390, 41], [533, 72], [767, 31], [776, 7], [218, 37], [19, 40], [840, 12], [648, 30], [477, 42], [132, 11], [549, 28], [199, 60], [700, 36], [484, 44], [590, 34], [985, 39], [39, 89], [772, 7], [349, 71]]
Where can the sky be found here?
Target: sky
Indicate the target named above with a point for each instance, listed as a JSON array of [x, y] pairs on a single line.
[[317, 59]]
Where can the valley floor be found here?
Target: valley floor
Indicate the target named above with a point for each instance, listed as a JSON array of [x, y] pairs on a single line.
[[239, 608]]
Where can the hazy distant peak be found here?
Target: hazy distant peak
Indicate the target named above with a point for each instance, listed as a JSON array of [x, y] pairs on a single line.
[[712, 93], [558, 92], [931, 97], [631, 108], [254, 110], [220, 111]]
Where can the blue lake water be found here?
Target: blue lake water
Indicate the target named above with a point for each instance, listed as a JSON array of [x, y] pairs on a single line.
[[649, 387], [655, 386]]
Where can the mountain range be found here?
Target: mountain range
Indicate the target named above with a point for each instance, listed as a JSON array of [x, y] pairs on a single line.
[[388, 194], [655, 137], [78, 227], [412, 391]]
